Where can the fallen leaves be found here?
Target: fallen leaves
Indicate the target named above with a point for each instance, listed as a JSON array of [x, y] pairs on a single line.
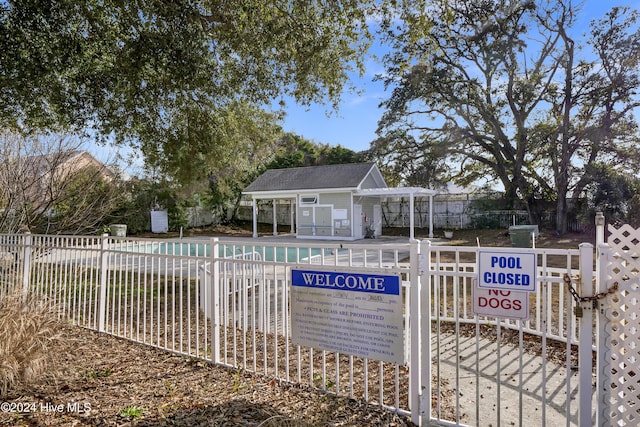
[[152, 387]]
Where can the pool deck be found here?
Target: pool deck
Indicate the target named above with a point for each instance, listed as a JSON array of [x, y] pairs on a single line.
[[291, 238]]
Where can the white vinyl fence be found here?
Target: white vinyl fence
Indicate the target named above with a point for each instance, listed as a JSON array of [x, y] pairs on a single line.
[[229, 302], [619, 323]]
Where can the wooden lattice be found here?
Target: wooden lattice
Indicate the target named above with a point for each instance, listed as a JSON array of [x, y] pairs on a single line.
[[622, 327]]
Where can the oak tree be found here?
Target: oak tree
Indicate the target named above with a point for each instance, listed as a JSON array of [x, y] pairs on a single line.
[[506, 91], [177, 79]]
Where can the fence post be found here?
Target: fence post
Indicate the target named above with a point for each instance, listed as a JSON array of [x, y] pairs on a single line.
[[104, 265], [599, 228], [26, 264], [414, 332], [585, 337], [425, 324], [214, 302], [603, 365]]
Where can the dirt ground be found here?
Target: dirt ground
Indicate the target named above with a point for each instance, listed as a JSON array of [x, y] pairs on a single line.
[[501, 238], [101, 380]]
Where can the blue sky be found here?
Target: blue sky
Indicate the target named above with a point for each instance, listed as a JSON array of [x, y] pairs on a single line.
[[354, 124]]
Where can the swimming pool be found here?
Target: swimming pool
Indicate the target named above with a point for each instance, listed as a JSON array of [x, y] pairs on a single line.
[[266, 253]]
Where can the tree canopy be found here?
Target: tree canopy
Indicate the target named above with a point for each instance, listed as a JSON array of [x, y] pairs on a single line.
[[178, 79], [503, 91], [613, 193]]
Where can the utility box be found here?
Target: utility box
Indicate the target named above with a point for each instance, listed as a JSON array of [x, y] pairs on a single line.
[[159, 222], [522, 236], [118, 230]]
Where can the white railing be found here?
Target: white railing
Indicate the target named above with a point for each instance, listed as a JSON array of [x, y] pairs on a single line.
[[205, 276], [161, 293]]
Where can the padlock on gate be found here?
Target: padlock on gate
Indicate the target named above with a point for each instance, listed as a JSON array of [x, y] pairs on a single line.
[[577, 310]]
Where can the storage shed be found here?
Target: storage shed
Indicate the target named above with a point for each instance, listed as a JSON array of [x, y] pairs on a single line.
[[334, 202]]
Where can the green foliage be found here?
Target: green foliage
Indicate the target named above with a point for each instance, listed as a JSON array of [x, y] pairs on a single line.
[[488, 203], [185, 81], [633, 208], [337, 155], [318, 382], [295, 151], [614, 193], [99, 373], [238, 384], [131, 412], [226, 185], [135, 213], [178, 216], [203, 144], [145, 195], [485, 221]]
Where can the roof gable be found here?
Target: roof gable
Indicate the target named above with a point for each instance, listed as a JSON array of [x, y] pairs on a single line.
[[65, 162], [343, 176]]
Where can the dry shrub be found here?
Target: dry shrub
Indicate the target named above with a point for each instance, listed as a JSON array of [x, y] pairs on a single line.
[[28, 327]]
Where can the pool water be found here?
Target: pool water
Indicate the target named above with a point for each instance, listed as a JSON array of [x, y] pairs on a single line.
[[266, 253]]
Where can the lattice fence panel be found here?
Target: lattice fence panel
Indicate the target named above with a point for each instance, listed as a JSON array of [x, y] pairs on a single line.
[[623, 326]]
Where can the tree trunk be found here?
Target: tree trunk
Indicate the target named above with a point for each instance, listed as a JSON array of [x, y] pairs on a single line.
[[562, 179], [562, 212], [533, 210]]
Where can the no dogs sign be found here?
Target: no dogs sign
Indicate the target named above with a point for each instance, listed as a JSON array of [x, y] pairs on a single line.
[[499, 303]]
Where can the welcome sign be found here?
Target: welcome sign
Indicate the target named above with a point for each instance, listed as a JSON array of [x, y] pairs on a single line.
[[348, 312]]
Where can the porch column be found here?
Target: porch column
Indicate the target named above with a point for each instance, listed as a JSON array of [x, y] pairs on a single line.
[[411, 212], [275, 219], [293, 205], [431, 216], [255, 217]]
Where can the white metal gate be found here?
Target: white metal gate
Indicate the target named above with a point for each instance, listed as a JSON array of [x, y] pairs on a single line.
[[619, 349], [501, 371]]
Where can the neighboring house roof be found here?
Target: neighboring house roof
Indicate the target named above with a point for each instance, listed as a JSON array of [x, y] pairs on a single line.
[[344, 176], [65, 162]]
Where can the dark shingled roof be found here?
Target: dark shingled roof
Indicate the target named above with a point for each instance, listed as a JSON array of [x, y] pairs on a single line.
[[311, 178]]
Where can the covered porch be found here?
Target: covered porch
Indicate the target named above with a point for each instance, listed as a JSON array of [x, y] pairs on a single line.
[[377, 194], [412, 193]]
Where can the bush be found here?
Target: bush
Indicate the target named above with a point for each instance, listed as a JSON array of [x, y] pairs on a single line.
[[485, 222], [28, 327]]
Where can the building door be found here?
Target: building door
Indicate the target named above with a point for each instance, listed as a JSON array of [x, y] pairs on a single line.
[[358, 226], [377, 220], [323, 220]]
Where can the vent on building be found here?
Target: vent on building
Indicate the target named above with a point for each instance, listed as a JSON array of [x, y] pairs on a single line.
[[308, 200]]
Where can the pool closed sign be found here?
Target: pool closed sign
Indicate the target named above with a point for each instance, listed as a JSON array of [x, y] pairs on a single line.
[[505, 280], [507, 271]]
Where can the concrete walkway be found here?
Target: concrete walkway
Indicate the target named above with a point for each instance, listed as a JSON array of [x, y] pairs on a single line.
[[521, 397]]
